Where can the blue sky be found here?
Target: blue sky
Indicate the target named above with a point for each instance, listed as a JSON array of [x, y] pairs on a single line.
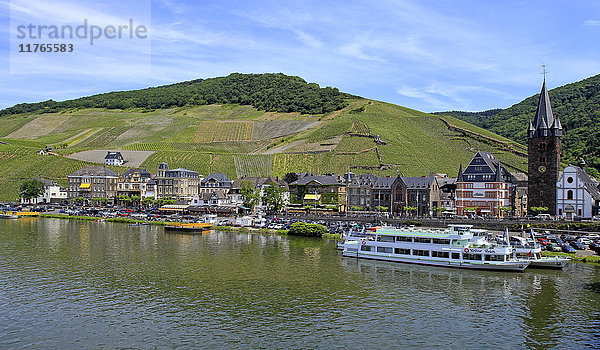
[[426, 55]]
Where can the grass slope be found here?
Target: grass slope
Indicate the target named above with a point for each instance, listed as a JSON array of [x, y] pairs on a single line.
[[233, 139]]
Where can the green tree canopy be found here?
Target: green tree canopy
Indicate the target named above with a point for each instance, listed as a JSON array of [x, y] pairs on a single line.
[[32, 189], [250, 196], [273, 198]]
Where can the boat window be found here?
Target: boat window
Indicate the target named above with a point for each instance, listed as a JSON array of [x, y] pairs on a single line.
[[403, 239], [441, 241], [388, 250], [455, 255], [422, 240], [472, 256], [365, 248], [385, 238], [419, 252], [494, 257], [437, 254], [402, 251]]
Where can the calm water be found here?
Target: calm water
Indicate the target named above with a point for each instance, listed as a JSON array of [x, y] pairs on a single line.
[[99, 285]]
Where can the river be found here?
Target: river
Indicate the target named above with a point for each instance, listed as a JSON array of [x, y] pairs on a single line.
[[69, 284]]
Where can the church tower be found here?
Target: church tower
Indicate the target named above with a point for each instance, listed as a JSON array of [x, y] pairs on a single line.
[[544, 147]]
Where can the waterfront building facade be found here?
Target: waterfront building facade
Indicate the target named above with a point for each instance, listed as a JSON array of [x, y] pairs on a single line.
[[93, 183], [484, 187], [577, 193]]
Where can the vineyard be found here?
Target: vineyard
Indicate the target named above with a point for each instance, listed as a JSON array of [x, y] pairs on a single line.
[[102, 138], [23, 163], [253, 165], [264, 130], [350, 144], [360, 128]]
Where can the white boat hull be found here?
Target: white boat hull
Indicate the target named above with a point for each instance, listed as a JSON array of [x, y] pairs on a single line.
[[497, 266]]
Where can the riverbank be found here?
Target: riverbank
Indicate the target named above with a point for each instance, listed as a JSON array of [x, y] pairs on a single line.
[[94, 218], [592, 259]]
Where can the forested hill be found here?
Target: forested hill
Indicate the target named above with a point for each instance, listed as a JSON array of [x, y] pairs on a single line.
[[268, 92], [578, 107]]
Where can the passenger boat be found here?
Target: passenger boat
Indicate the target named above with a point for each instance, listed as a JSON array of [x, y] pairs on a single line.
[[528, 249], [8, 216], [195, 227], [457, 246]]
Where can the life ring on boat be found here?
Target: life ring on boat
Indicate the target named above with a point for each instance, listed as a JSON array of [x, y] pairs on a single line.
[[466, 250], [363, 242]]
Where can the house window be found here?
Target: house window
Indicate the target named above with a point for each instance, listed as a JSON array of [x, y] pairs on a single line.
[[570, 194], [541, 193], [542, 159], [570, 180], [579, 212], [542, 146]]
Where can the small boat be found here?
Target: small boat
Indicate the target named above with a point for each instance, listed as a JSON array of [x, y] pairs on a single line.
[[9, 216], [528, 249], [458, 246], [195, 227]]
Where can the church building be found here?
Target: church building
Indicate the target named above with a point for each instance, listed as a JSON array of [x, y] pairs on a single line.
[[544, 147]]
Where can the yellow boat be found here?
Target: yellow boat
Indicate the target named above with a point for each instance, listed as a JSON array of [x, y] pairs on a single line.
[[195, 227]]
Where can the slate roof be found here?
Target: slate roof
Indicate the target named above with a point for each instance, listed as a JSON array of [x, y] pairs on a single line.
[[94, 170], [46, 182], [363, 180], [143, 173], [485, 168], [320, 179], [418, 182], [385, 182], [221, 178], [589, 184], [544, 123], [114, 155]]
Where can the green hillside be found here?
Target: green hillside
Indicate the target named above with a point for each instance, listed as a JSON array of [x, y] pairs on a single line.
[[241, 140], [578, 107]]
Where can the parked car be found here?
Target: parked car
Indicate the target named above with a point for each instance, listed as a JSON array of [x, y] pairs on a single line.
[[577, 245], [542, 241], [568, 249], [543, 217], [553, 247]]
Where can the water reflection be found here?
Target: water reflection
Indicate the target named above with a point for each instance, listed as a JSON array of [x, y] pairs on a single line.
[[82, 284]]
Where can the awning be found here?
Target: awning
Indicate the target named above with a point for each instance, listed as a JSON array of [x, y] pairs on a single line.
[[312, 197], [173, 207], [85, 185]]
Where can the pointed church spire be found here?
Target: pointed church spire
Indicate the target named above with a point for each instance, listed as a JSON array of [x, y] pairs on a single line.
[[543, 121], [460, 174]]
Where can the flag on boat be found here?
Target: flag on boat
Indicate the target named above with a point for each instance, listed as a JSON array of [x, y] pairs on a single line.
[[505, 237], [529, 254], [532, 234]]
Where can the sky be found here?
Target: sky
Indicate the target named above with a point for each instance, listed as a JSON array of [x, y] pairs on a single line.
[[429, 55]]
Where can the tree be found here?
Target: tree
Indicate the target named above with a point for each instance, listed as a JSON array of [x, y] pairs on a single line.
[[31, 189], [273, 198], [290, 177], [539, 209], [250, 196], [304, 229], [146, 202]]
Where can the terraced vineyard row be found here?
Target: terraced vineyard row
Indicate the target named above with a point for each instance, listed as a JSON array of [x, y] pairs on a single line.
[[360, 128], [102, 138], [22, 163], [234, 131], [253, 165]]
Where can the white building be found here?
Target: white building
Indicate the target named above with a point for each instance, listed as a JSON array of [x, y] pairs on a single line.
[[53, 193], [114, 158], [576, 193]]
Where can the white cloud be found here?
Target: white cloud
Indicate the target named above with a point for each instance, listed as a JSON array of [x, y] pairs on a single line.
[[591, 22]]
